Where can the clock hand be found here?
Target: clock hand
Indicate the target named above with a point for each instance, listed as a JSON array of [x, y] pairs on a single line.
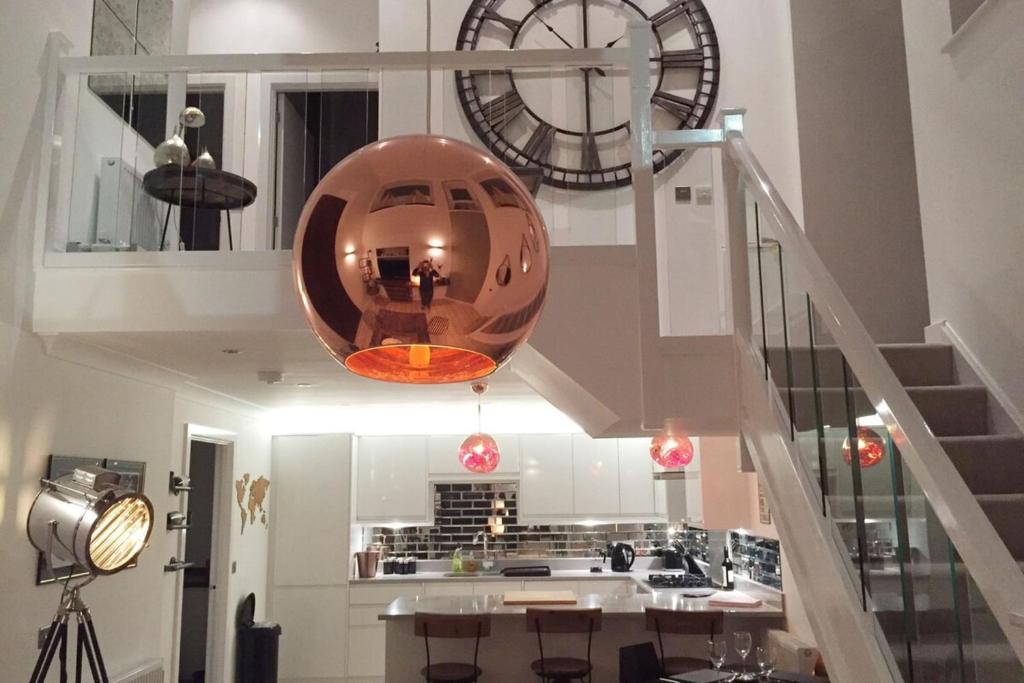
[[612, 43], [552, 30]]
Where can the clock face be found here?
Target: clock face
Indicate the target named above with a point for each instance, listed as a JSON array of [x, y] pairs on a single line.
[[573, 123]]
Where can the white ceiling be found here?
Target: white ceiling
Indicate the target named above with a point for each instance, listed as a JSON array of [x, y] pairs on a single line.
[[299, 357]]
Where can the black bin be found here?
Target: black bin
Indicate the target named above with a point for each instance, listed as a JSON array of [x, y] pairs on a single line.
[[257, 646]]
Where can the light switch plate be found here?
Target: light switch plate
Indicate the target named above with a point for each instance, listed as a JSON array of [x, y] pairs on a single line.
[[683, 194], [704, 195]]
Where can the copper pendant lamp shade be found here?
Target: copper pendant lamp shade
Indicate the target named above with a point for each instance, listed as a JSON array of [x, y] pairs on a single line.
[[421, 259]]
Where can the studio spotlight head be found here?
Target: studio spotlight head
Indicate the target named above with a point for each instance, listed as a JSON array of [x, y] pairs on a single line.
[[87, 517]]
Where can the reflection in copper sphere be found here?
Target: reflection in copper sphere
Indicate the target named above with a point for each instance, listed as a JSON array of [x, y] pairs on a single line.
[[404, 256]]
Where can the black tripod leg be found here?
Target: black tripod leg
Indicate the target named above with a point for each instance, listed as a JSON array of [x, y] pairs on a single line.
[[78, 652], [64, 653], [49, 648], [93, 648], [163, 235], [231, 240]]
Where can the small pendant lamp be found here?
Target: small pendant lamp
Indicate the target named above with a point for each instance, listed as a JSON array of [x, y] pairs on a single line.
[[479, 452], [870, 448], [672, 450]]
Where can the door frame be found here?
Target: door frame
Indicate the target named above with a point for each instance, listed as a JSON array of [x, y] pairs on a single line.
[[218, 621], [273, 83]]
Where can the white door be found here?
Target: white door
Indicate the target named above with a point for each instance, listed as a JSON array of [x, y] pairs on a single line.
[[636, 479], [546, 488], [391, 480], [595, 467]]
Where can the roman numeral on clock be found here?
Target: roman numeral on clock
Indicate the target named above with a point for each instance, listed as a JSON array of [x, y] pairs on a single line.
[[538, 147], [510, 24], [591, 160], [503, 109], [680, 107], [682, 59], [666, 15]]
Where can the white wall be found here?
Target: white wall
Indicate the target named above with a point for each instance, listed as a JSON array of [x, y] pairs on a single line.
[[968, 114], [690, 237], [227, 26]]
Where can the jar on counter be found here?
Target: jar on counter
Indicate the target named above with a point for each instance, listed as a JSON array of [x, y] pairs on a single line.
[[389, 565], [412, 564]]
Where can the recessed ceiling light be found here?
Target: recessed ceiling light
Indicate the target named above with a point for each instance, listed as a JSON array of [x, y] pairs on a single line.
[[231, 352], [305, 385]]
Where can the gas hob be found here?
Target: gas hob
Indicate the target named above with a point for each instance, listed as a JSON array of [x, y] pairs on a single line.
[[666, 580]]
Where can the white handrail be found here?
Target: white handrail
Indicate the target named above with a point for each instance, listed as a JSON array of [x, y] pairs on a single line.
[[341, 61], [993, 568]]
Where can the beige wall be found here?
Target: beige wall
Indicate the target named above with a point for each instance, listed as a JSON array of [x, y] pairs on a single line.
[[968, 110], [857, 159]]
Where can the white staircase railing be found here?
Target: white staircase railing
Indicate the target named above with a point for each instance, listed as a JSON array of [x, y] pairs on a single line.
[[988, 562]]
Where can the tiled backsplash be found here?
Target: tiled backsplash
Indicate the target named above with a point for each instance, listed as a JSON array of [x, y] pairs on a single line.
[[756, 558], [461, 510]]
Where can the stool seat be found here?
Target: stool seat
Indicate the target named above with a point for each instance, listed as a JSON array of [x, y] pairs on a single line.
[[682, 665], [560, 667], [451, 672]]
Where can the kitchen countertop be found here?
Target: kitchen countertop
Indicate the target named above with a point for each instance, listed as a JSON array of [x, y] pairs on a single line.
[[556, 575], [610, 604]]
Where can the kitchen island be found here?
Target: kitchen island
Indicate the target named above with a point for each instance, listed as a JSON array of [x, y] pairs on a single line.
[[506, 655]]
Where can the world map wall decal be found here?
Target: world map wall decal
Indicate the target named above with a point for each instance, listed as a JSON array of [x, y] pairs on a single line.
[[251, 495]]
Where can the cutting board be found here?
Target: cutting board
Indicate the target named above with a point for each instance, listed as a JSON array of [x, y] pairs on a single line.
[[736, 599], [539, 598]]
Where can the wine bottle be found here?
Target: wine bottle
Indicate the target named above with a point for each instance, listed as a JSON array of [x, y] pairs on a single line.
[[728, 583]]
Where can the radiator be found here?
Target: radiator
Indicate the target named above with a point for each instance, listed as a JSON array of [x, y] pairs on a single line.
[[150, 672]]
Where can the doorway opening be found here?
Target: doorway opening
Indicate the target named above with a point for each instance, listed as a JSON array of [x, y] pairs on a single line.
[[195, 637], [315, 130]]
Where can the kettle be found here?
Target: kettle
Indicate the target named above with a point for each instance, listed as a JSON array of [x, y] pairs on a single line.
[[622, 556]]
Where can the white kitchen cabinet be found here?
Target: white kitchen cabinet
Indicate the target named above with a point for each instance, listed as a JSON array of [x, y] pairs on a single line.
[[447, 589], [496, 587], [546, 477], [391, 480], [639, 494], [443, 456], [607, 587], [551, 585], [595, 476], [366, 634]]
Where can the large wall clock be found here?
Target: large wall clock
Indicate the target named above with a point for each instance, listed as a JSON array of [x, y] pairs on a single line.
[[574, 123]]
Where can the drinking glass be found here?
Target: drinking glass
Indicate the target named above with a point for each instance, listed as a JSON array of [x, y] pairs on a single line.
[[743, 643], [766, 661], [717, 651]]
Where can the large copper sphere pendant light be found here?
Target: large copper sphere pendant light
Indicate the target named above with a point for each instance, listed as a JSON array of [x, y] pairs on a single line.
[[421, 259], [479, 452], [672, 450], [870, 448]]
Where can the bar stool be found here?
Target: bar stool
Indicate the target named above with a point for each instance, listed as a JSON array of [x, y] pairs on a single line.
[[688, 623], [563, 669], [452, 626]]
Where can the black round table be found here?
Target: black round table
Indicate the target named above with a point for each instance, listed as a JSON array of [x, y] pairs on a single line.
[[199, 188]]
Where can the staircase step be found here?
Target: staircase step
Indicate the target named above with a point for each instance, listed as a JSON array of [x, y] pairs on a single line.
[[989, 464], [917, 365], [1005, 512], [948, 410]]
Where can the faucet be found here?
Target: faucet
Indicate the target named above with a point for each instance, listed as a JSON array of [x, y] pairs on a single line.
[[482, 534]]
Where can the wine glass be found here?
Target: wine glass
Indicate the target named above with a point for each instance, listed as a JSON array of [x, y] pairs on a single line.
[[717, 651], [743, 643], [766, 661]]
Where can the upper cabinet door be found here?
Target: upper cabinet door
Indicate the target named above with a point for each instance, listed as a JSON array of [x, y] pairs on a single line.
[[637, 493], [391, 479], [443, 453], [595, 466], [545, 489]]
